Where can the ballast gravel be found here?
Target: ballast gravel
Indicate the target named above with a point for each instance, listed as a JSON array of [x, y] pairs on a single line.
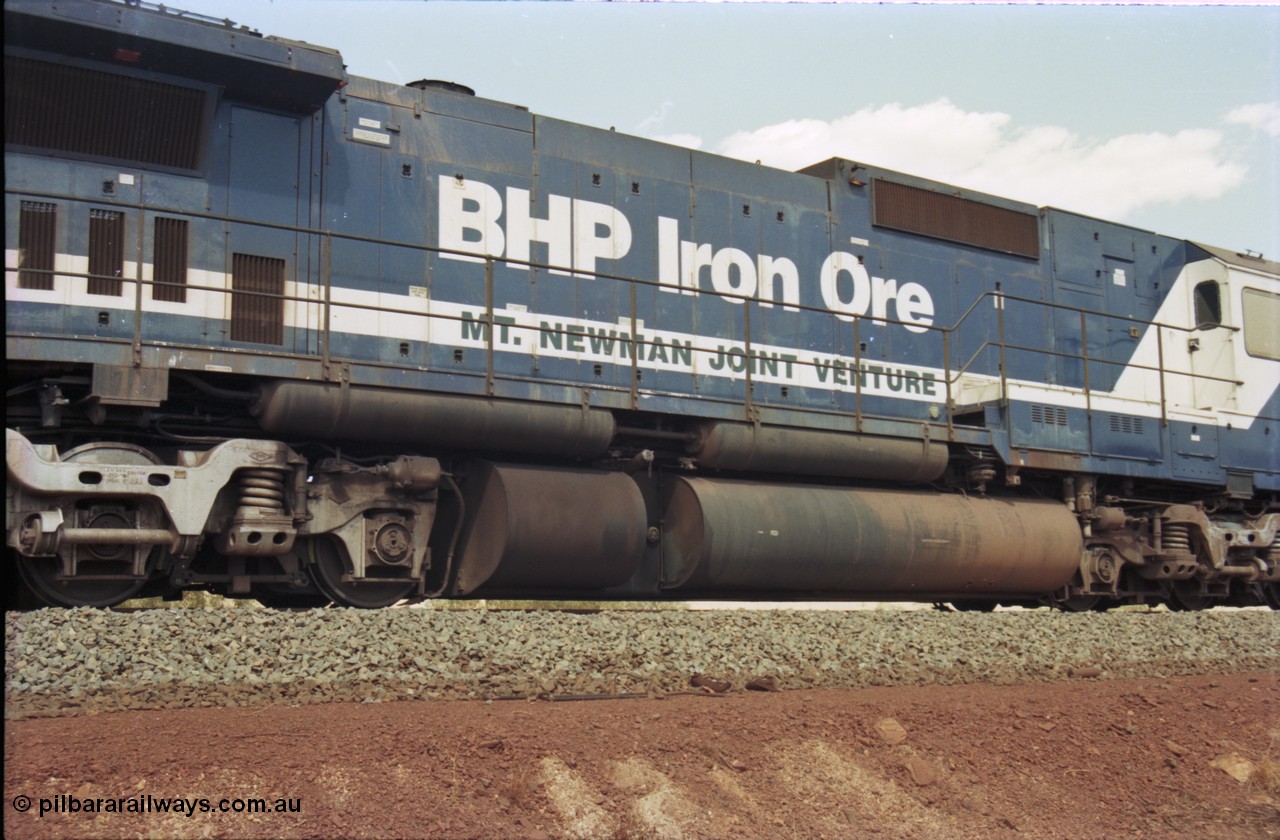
[[64, 662]]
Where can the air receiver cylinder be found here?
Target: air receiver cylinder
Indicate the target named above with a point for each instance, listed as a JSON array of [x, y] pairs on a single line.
[[783, 451], [746, 536], [327, 412]]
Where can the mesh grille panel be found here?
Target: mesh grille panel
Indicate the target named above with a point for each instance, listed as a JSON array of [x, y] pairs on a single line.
[[37, 228], [955, 219], [89, 112], [170, 261], [257, 308], [106, 252]]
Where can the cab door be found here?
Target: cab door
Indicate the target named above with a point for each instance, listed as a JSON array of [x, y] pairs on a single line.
[[262, 251], [1212, 345]]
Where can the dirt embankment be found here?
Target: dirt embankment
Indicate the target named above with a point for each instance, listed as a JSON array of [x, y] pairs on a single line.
[[1170, 757]]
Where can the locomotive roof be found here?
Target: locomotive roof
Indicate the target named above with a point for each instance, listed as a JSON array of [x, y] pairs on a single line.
[[1252, 261], [272, 71]]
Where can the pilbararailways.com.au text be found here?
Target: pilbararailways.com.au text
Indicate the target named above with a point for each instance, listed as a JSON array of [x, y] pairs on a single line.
[[65, 803]]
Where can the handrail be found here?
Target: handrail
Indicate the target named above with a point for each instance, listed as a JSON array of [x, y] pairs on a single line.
[[1130, 364], [952, 376]]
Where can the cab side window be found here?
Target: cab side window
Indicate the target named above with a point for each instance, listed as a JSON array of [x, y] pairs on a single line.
[[1208, 305], [1261, 324]]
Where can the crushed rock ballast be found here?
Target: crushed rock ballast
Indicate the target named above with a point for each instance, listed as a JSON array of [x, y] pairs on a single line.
[[63, 662]]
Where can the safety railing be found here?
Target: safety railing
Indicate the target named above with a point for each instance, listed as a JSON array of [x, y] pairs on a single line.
[[947, 337], [1145, 326]]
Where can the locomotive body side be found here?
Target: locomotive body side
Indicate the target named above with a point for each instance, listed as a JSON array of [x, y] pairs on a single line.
[[283, 332]]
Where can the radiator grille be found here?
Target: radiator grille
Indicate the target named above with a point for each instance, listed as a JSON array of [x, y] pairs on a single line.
[[89, 112], [1126, 425], [106, 252], [169, 261], [955, 219], [257, 305], [37, 230], [1049, 415]]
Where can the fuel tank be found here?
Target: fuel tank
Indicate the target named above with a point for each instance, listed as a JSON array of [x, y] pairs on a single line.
[[548, 528], [743, 536]]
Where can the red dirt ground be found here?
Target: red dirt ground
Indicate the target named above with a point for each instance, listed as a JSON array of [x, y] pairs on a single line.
[[1149, 758]]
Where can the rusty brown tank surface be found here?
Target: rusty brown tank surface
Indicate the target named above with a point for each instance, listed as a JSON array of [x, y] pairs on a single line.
[[742, 536], [328, 412], [535, 527], [772, 449]]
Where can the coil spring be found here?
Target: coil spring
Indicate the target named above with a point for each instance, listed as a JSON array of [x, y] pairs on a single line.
[[1177, 539], [982, 471], [1273, 552], [262, 489]]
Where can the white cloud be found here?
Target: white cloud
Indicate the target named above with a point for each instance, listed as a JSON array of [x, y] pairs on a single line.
[[656, 118], [1264, 116], [1044, 165]]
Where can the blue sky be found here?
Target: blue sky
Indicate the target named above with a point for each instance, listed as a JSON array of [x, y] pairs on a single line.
[[1165, 118]]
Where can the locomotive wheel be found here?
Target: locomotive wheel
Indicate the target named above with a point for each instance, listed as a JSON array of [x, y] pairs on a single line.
[[40, 576], [1185, 596], [329, 563], [1271, 593], [40, 573], [286, 599], [973, 605], [1079, 603]]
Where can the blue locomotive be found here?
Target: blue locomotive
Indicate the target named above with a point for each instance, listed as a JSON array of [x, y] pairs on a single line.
[[282, 332]]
